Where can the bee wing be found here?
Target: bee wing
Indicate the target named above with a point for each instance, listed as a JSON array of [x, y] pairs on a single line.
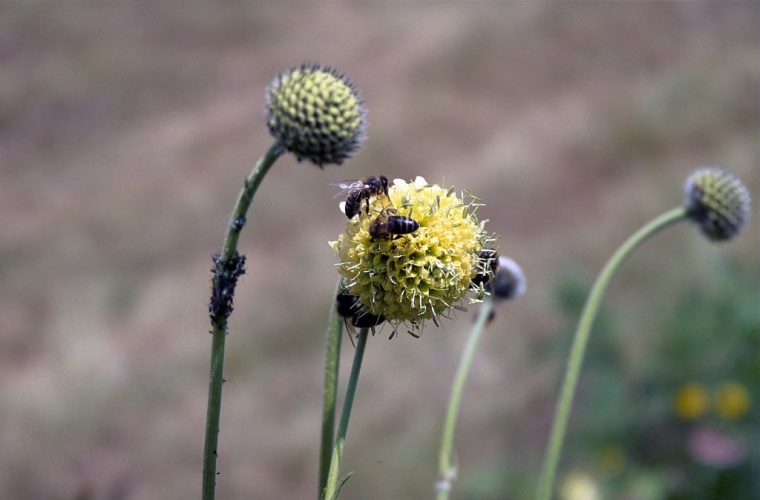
[[346, 186]]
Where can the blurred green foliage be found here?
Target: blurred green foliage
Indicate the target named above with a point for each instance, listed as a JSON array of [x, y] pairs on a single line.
[[680, 420]]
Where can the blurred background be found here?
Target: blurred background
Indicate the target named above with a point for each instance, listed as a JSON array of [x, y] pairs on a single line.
[[126, 129]]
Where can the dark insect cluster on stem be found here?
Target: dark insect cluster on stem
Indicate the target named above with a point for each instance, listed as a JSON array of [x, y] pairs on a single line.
[[226, 273], [238, 223]]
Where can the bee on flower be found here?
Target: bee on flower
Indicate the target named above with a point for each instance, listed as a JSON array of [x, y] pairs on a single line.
[[426, 265]]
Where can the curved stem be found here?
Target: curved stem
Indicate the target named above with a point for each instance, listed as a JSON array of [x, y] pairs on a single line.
[[332, 365], [229, 265], [333, 485], [446, 465], [580, 341]]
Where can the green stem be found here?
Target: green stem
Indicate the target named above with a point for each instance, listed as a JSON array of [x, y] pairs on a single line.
[[332, 365], [580, 341], [332, 488], [446, 465], [219, 323]]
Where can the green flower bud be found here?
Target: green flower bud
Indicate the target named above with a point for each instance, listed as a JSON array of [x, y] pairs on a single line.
[[414, 273], [316, 114], [717, 201]]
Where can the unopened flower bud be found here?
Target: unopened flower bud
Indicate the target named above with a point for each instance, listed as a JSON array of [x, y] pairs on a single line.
[[718, 201], [316, 114]]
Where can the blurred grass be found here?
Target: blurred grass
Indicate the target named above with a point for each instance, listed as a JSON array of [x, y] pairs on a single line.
[[127, 128]]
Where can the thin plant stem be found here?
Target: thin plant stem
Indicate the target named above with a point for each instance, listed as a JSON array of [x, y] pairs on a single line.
[[333, 485], [580, 341], [219, 322], [329, 397], [446, 464]]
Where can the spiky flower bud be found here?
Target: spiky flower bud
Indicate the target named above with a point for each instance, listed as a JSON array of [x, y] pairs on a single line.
[[718, 201], [417, 273], [316, 114], [509, 281]]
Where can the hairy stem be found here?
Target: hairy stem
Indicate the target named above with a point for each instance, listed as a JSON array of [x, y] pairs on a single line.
[[580, 341], [228, 267], [329, 397]]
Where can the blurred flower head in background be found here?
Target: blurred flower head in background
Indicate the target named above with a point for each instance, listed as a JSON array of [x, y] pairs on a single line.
[[579, 486], [691, 401], [718, 201], [732, 401]]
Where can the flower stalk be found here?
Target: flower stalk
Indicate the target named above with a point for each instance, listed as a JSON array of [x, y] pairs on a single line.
[[446, 463], [719, 203], [228, 267], [330, 391], [315, 114], [332, 489], [580, 342]]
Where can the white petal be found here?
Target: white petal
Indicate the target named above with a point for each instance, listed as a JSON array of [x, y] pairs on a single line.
[[335, 248]]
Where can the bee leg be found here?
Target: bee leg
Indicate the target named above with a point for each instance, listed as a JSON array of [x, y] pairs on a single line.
[[350, 331]]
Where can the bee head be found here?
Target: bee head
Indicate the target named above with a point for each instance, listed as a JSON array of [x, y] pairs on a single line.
[[384, 184]]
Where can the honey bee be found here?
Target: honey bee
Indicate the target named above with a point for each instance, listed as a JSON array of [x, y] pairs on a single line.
[[388, 225], [361, 190]]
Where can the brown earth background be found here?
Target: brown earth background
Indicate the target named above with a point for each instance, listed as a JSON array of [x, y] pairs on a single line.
[[126, 129]]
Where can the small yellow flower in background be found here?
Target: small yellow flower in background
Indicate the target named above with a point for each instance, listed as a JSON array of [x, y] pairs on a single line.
[[732, 401], [691, 401], [579, 486], [417, 276]]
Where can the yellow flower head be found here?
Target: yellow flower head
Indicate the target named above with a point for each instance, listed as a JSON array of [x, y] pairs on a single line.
[[416, 276], [691, 401], [732, 401]]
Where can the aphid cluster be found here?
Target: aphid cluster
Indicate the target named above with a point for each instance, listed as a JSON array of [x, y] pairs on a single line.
[[387, 224]]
